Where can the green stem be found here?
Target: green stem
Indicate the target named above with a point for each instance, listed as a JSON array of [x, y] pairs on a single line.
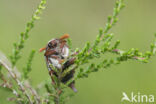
[[58, 88]]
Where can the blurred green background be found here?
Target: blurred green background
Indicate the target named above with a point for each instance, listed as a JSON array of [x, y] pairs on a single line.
[[82, 19]]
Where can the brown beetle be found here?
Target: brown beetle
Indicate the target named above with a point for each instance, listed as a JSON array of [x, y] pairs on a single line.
[[56, 54]]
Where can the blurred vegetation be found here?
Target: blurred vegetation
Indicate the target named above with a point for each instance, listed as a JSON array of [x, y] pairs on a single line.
[[82, 19]]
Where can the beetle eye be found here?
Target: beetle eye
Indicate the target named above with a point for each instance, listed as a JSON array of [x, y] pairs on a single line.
[[50, 45]]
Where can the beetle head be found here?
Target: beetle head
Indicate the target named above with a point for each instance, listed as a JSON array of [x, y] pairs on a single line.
[[54, 42]]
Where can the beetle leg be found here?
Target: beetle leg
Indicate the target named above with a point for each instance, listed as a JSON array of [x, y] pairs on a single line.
[[50, 52], [68, 63], [54, 56]]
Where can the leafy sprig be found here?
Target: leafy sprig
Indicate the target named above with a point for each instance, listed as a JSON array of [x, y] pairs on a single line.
[[102, 45], [18, 46], [30, 95], [28, 67]]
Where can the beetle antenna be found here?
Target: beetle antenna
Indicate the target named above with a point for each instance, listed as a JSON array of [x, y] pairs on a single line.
[[65, 36], [42, 49]]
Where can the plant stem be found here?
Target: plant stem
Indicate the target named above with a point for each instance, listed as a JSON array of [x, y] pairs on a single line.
[[14, 76], [57, 99]]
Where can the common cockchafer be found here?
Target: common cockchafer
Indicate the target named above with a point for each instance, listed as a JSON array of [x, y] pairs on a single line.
[[56, 55]]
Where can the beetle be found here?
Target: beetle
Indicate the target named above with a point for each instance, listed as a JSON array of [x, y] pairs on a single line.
[[57, 54]]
